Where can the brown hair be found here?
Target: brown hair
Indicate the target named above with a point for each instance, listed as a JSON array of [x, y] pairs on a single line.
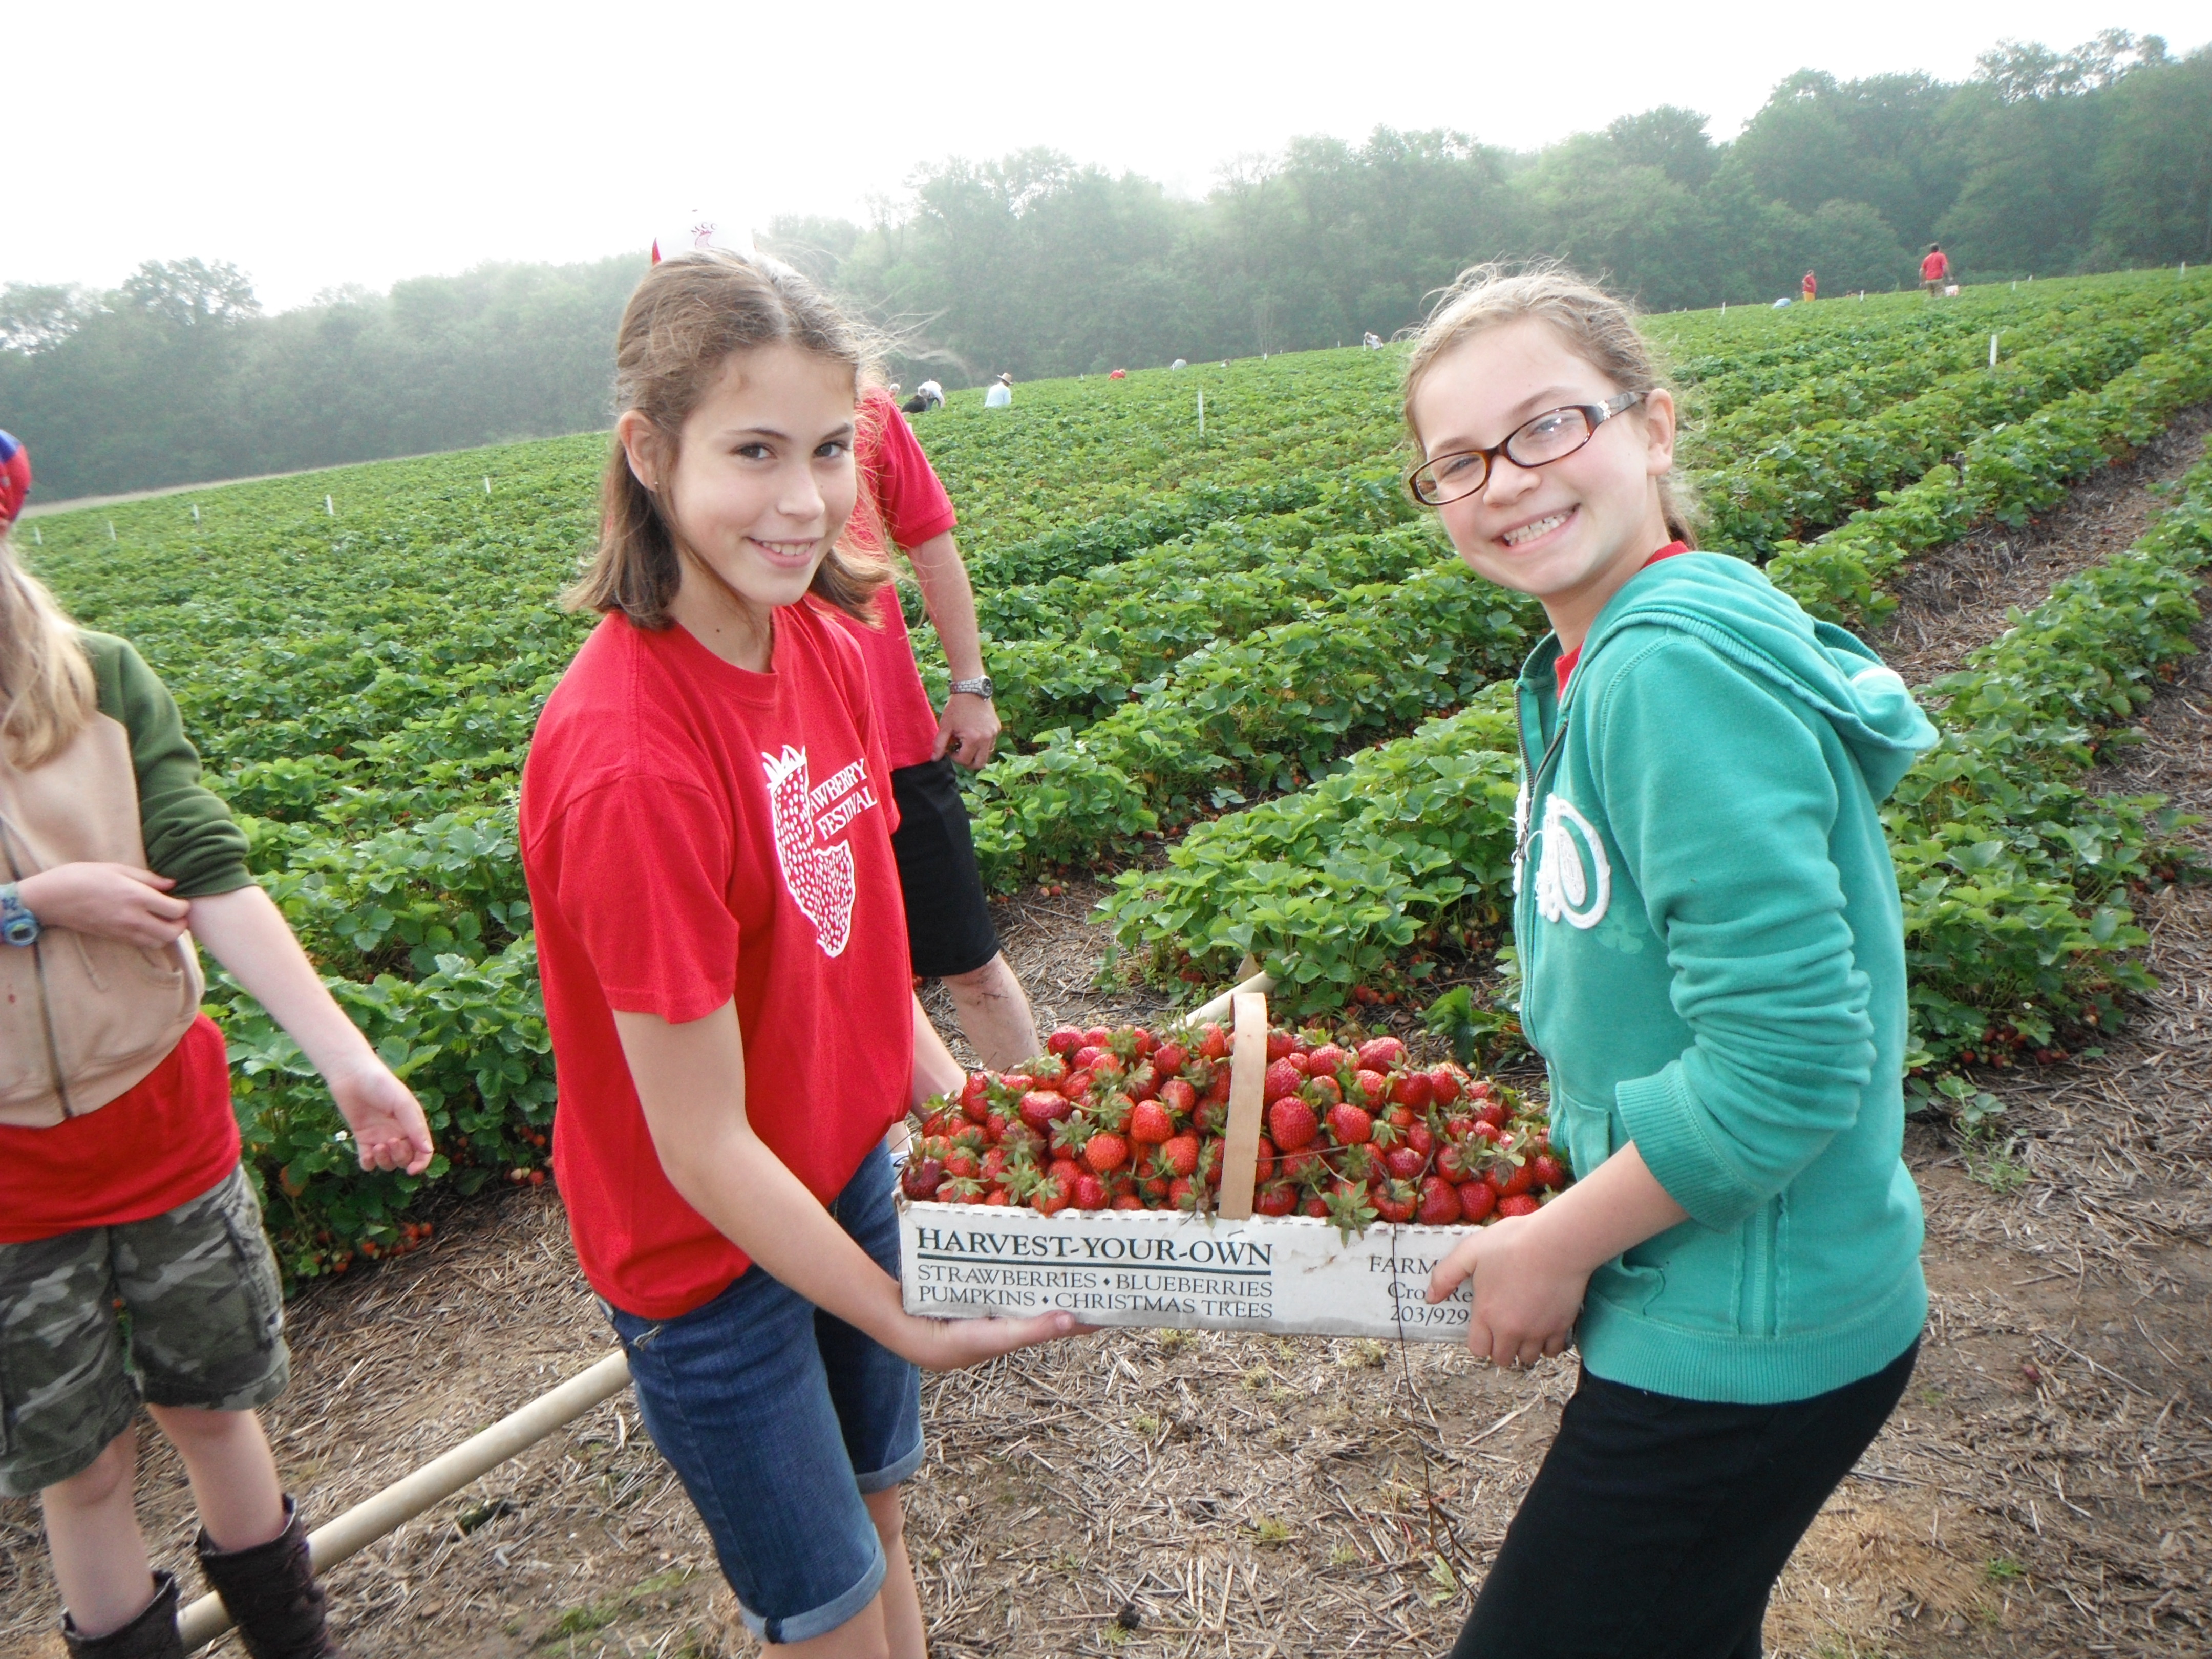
[[47, 688], [1598, 328], [687, 317]]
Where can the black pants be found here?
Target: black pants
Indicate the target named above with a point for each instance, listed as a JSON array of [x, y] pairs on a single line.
[[1656, 1527]]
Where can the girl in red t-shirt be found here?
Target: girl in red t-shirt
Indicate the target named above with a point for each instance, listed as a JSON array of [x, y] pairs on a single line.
[[706, 828]]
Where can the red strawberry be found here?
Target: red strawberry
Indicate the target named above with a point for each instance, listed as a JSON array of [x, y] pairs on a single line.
[[1178, 1096], [974, 1096], [1051, 1196], [1381, 1053], [1064, 1170], [1213, 1043], [962, 1164], [1170, 1058], [1086, 1057], [1077, 1083], [1454, 1162], [1356, 1163], [1263, 1166], [1443, 1086], [1349, 1125], [1477, 1199], [1292, 1123], [1097, 1037], [1282, 1079], [1326, 1060], [1127, 1201], [1064, 1041], [1182, 1154], [1316, 1205], [1322, 1092], [920, 1177], [1511, 1179], [994, 1164], [1439, 1206], [1209, 1117], [1491, 1112], [1404, 1164], [1413, 1089], [1217, 1092], [1548, 1171], [1373, 1088], [1350, 1208], [1275, 1197], [1518, 1203], [998, 1198], [1151, 1123], [1182, 1194], [1090, 1193], [1279, 1044], [1421, 1138], [1141, 1040], [1396, 1201], [1104, 1152], [1298, 1164], [1041, 1110]]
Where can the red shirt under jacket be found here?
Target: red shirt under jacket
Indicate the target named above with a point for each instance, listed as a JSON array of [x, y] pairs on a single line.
[[913, 508], [1564, 664], [694, 831]]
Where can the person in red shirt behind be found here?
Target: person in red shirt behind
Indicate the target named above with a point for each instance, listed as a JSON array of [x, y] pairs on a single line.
[[706, 831], [1934, 269], [949, 933]]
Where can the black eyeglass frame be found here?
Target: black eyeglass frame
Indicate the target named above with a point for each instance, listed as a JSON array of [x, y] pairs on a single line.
[[1596, 414]]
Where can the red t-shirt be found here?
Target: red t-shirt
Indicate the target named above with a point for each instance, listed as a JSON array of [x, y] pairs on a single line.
[[1934, 267], [1564, 666], [694, 831], [161, 1143], [912, 506]]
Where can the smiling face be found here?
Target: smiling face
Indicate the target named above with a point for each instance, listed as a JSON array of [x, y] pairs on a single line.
[[1573, 532], [762, 482]]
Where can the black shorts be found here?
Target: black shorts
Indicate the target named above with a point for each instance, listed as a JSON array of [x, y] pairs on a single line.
[[948, 921]]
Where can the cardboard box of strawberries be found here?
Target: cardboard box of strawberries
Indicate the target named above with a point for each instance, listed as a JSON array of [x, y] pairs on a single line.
[[1245, 1178]]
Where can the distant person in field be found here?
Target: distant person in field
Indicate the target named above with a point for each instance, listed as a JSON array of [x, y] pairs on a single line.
[[133, 1269], [950, 934], [1809, 290], [1001, 392], [1935, 268], [14, 478], [1712, 966], [928, 396], [1372, 341], [705, 826]]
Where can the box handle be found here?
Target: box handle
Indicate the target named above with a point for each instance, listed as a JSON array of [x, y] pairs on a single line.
[[1240, 1148]]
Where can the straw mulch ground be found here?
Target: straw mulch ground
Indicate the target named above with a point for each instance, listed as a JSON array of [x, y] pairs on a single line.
[[2046, 1487]]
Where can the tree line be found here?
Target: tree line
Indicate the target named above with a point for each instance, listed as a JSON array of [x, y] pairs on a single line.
[[2043, 163]]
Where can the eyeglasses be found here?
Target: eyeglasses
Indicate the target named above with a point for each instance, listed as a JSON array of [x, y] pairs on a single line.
[[1552, 436]]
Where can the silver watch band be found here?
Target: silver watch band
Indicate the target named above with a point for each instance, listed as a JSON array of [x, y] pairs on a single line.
[[979, 687]]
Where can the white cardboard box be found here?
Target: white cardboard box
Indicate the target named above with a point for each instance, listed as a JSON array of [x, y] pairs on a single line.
[[1288, 1274]]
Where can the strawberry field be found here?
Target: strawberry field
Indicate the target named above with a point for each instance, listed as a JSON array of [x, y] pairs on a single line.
[[1239, 667]]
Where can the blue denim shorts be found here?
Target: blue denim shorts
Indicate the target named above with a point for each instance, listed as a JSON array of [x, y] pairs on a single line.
[[778, 1417]]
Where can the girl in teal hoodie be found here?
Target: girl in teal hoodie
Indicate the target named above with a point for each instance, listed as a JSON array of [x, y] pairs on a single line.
[[1712, 965]]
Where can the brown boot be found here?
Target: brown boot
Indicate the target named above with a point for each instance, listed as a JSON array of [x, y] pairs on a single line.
[[269, 1592], [151, 1635]]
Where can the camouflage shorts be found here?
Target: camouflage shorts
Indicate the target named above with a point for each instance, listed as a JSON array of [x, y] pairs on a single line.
[[185, 1310]]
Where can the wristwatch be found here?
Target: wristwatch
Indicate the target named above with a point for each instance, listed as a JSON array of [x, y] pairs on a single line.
[[981, 686], [18, 927]]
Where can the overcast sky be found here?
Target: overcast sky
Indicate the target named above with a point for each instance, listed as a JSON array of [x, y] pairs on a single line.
[[315, 145]]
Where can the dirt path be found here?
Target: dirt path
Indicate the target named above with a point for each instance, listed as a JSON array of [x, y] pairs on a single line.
[[2045, 1489]]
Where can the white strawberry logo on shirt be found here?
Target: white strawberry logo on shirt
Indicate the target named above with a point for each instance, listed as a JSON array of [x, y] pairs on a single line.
[[819, 876]]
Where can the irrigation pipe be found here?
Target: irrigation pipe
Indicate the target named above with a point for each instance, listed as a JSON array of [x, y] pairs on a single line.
[[401, 1502], [1262, 982]]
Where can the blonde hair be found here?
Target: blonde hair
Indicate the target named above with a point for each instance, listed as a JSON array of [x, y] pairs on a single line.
[[47, 688], [686, 319], [1597, 327]]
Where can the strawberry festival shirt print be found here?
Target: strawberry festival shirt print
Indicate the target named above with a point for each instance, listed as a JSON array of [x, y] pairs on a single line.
[[808, 816]]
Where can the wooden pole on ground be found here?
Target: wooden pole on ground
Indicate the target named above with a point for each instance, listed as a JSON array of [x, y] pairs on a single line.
[[436, 1480]]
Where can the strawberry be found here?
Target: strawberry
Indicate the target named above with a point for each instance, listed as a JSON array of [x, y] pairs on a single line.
[[1292, 1123], [1141, 1040], [1090, 1193], [1126, 1202], [1282, 1079], [994, 1167], [1404, 1164], [1413, 1089], [1182, 1153], [998, 1199], [1279, 1044], [1275, 1197], [1348, 1206], [1512, 1180], [1151, 1123], [1372, 1087], [1217, 1092], [1349, 1125], [1518, 1203], [1439, 1205], [1087, 1057], [1328, 1060], [975, 1097], [1381, 1053], [1395, 1201], [1182, 1194], [1041, 1110], [1209, 1117], [1170, 1058], [1097, 1037], [1322, 1092], [1421, 1138], [922, 1177], [1064, 1170], [1209, 1161], [1178, 1096], [1455, 1162], [1299, 1164], [1108, 1068], [1356, 1163], [1071, 1135], [1104, 1152], [1064, 1041], [1051, 1195], [1547, 1172], [1477, 1199], [1040, 1068], [1263, 1166], [1315, 1206], [1077, 1083], [960, 1189], [1491, 1112], [1443, 1086], [1213, 1043]]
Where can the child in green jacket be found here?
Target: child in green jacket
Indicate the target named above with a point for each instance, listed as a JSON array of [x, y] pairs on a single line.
[[1712, 967]]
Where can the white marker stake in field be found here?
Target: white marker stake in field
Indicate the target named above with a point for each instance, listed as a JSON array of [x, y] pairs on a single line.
[[329, 506], [486, 484], [111, 530], [196, 511], [1993, 351]]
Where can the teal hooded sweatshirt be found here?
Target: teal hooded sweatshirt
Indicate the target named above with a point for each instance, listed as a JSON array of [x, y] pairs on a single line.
[[1712, 961]]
